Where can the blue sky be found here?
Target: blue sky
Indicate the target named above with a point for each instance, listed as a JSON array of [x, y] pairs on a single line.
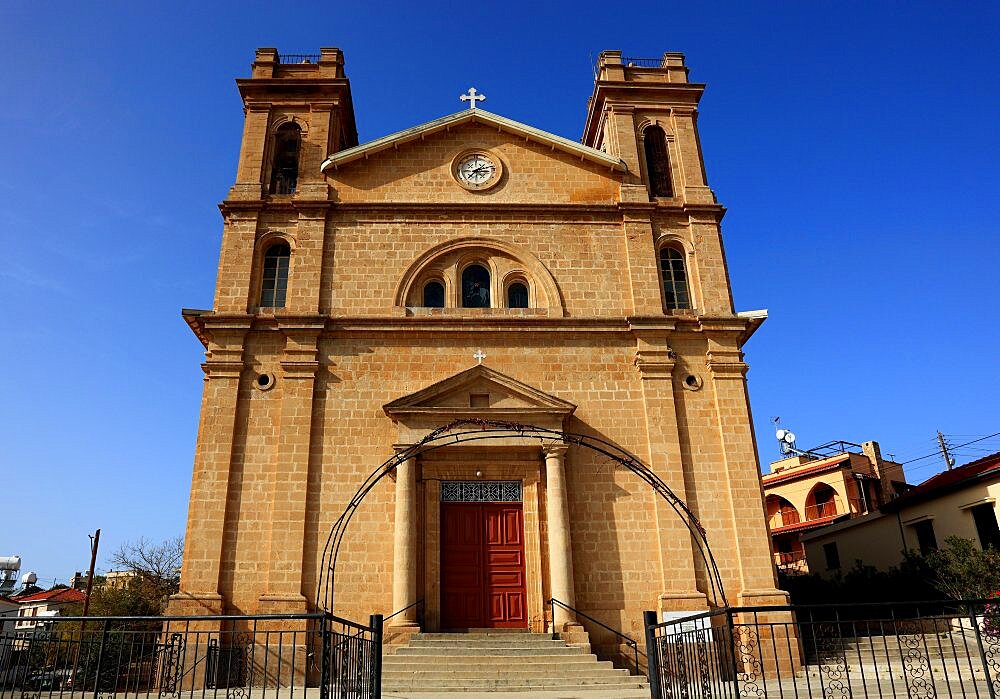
[[855, 145]]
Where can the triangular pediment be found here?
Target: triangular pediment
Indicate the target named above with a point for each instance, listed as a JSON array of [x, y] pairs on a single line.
[[479, 391], [472, 116]]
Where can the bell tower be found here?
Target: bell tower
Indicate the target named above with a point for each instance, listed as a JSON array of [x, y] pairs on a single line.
[[298, 110], [636, 100]]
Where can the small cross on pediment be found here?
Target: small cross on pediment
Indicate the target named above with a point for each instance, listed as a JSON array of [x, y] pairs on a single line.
[[479, 356], [472, 97]]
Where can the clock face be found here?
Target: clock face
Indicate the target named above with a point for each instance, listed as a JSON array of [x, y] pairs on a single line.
[[477, 171]]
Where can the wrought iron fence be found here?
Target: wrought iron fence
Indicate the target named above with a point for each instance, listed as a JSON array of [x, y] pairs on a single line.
[[927, 649], [644, 62], [230, 656]]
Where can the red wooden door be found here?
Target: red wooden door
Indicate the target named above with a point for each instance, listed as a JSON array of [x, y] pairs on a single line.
[[482, 566]]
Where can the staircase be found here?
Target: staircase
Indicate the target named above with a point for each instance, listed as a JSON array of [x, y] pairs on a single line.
[[497, 661]]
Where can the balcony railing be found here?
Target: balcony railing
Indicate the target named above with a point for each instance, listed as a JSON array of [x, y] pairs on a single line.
[[643, 62], [298, 58], [791, 562]]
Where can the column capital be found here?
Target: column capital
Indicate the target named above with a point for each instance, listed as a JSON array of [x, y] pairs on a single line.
[[555, 450]]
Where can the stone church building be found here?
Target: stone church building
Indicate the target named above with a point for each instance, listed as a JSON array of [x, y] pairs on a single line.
[[472, 267]]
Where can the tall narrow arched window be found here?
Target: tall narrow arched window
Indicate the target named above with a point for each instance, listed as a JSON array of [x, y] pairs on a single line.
[[657, 162], [517, 295], [674, 277], [285, 162], [434, 294], [476, 287], [274, 280]]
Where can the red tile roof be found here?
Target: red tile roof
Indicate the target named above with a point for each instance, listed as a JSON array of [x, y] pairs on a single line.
[[62, 595], [948, 480], [799, 471]]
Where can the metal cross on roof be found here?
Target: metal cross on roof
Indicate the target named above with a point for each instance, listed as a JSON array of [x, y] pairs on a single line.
[[472, 97], [479, 356]]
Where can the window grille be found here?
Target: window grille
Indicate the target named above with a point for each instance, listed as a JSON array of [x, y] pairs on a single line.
[[674, 277], [481, 491]]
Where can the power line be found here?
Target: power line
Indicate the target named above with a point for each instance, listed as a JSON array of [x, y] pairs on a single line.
[[959, 446]]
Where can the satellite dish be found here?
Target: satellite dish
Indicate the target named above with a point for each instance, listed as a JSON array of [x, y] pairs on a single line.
[[780, 434], [789, 438]]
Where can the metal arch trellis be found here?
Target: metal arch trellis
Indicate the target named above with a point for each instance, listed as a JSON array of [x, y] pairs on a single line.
[[474, 429]]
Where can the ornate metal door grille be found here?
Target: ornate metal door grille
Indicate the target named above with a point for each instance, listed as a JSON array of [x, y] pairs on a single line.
[[481, 491]]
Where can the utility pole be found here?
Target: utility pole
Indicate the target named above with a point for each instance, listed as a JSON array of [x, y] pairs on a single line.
[[95, 541], [948, 458]]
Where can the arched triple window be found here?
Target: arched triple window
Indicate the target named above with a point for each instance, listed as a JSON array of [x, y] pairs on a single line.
[[434, 294], [517, 295], [657, 162], [475, 287], [274, 280], [674, 277], [285, 161]]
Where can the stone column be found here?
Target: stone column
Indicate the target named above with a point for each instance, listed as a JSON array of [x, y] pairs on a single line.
[[404, 558], [560, 551]]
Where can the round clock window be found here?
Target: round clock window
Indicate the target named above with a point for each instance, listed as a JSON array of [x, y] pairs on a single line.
[[477, 170]]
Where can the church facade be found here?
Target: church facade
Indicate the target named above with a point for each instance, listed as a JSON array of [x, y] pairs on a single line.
[[472, 268]]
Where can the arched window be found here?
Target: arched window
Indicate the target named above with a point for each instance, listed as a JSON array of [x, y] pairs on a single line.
[[517, 295], [274, 281], [476, 287], [285, 164], [674, 277], [657, 162], [434, 294]]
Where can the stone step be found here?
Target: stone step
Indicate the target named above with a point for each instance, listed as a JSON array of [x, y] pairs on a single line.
[[512, 683], [418, 642], [511, 652], [490, 671], [565, 691], [497, 635], [502, 660]]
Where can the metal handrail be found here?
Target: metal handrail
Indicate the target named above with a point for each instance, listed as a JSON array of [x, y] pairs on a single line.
[[629, 641], [419, 604]]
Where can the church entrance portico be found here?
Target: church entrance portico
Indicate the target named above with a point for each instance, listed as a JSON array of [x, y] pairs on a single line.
[[481, 532]]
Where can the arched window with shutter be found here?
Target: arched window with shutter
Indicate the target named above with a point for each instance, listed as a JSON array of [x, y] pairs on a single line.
[[285, 159], [274, 280], [476, 287], [517, 295], [434, 294], [657, 162], [673, 275]]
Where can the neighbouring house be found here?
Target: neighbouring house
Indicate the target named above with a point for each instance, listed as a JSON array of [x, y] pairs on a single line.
[[959, 502], [34, 608], [8, 614], [822, 486]]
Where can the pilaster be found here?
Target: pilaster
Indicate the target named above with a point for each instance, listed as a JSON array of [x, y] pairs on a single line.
[[695, 186], [643, 275], [304, 277], [200, 571], [655, 361], [235, 277], [290, 472], [739, 456], [249, 177]]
